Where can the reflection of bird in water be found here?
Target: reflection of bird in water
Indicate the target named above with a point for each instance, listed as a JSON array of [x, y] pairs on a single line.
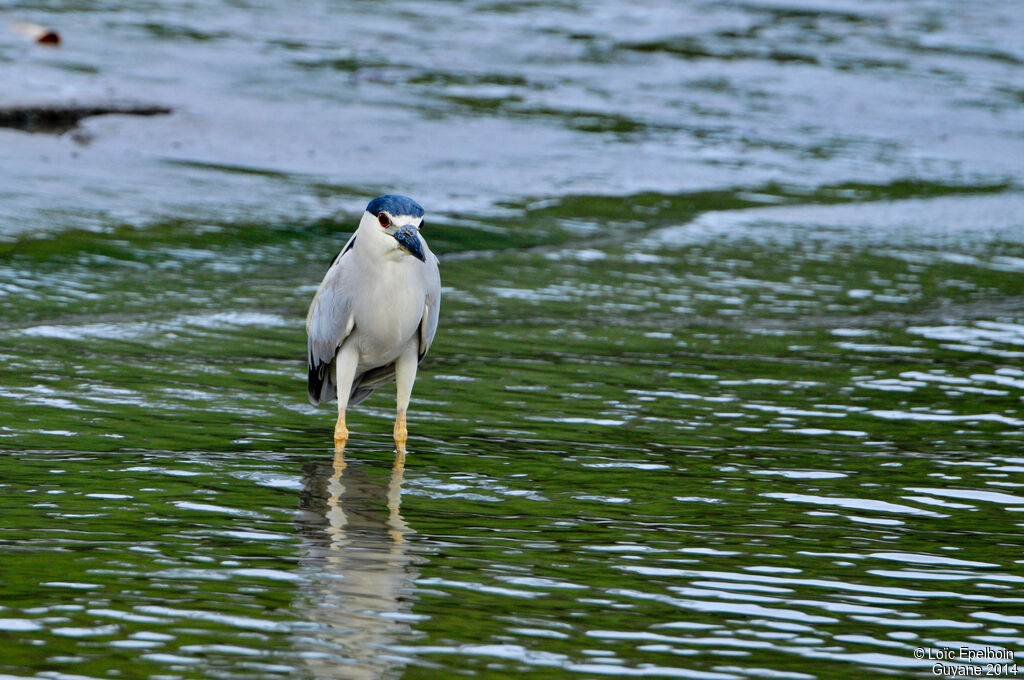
[[359, 596]]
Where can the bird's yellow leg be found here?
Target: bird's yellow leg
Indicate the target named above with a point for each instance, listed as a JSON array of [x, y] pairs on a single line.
[[340, 434], [401, 436], [405, 376], [344, 372]]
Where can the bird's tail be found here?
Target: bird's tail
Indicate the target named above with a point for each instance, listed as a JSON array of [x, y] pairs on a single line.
[[320, 382]]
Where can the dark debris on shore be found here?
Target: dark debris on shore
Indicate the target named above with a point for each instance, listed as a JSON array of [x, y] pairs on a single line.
[[59, 118]]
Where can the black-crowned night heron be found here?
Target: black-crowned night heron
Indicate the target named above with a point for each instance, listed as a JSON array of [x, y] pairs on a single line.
[[375, 313]]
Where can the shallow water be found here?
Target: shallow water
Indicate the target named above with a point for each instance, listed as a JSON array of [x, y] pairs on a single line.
[[729, 376]]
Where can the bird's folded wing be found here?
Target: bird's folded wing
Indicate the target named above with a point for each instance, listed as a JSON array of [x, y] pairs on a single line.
[[329, 322], [431, 309]]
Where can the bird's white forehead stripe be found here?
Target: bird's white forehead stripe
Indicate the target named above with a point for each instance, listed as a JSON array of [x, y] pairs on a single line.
[[402, 220]]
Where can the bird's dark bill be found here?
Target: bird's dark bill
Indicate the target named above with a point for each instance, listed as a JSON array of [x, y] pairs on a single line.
[[409, 240]]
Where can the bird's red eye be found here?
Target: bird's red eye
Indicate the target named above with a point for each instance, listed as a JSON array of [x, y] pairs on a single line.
[[383, 219]]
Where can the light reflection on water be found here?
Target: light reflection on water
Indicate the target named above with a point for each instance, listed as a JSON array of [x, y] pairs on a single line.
[[535, 573]]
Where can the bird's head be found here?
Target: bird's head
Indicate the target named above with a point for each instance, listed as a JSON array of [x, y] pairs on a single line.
[[399, 217]]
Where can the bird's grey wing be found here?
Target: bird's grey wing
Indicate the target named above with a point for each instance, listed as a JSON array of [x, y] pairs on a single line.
[[328, 323], [432, 307]]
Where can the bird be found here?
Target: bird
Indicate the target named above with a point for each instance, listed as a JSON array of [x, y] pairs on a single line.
[[374, 315]]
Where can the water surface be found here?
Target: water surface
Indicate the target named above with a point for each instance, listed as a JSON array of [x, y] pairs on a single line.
[[728, 381]]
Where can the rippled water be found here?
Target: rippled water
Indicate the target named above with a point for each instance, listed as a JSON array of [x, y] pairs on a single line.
[[729, 376]]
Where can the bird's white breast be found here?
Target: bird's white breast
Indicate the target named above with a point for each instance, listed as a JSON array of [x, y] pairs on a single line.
[[388, 319]]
